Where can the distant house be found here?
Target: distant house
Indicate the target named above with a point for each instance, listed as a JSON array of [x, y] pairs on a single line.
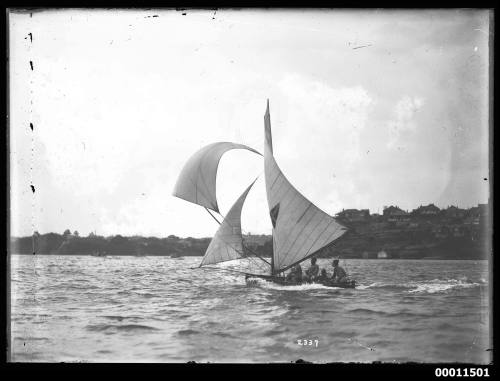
[[458, 231], [483, 209], [390, 211], [426, 211], [477, 214], [473, 215], [354, 215], [395, 214], [441, 232], [454, 212], [382, 254]]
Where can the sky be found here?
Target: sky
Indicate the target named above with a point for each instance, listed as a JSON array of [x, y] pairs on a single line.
[[369, 108]]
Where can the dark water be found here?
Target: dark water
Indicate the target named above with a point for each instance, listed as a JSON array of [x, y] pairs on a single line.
[[83, 308]]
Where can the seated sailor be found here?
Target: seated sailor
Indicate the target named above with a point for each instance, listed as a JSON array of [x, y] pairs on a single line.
[[339, 274], [296, 274], [323, 275], [313, 271]]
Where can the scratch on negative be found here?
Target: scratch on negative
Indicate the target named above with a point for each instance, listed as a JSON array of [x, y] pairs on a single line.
[[363, 46]]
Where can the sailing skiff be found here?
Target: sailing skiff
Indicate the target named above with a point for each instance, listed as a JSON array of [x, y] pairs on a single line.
[[300, 229]]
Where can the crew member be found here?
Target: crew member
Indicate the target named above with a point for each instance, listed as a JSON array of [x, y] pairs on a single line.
[[339, 274], [295, 275], [313, 271]]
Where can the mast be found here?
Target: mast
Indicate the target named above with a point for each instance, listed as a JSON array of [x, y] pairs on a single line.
[[268, 149], [272, 258]]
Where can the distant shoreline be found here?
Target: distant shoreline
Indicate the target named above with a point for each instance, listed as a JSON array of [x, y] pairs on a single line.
[[429, 237], [200, 256]]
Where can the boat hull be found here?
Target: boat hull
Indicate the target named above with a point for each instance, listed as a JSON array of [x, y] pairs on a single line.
[[285, 282]]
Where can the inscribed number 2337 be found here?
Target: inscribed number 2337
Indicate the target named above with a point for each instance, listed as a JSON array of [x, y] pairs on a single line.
[[308, 342]]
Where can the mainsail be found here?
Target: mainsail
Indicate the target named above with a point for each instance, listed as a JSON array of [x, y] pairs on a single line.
[[300, 228], [227, 243], [197, 181]]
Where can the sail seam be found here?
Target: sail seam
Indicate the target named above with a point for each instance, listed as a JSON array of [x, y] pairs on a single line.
[[329, 239], [275, 179], [299, 249], [277, 190], [198, 190], [286, 192], [202, 178], [289, 217], [319, 235], [303, 214], [303, 228]]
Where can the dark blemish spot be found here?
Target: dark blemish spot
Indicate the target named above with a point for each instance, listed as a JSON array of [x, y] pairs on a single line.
[[184, 13], [485, 179], [31, 37], [31, 64], [156, 16], [24, 344], [31, 126], [213, 17], [32, 188], [34, 253]]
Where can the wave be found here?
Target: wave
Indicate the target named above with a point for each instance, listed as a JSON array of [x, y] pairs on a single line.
[[429, 286], [222, 334], [187, 332], [20, 338], [367, 311], [115, 317], [115, 327]]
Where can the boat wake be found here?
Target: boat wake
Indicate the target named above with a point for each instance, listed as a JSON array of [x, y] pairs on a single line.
[[430, 287], [257, 282]]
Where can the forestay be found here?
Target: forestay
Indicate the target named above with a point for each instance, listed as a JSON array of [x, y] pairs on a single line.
[[299, 227], [227, 243], [197, 180]]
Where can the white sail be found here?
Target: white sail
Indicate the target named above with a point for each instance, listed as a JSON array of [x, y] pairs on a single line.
[[299, 227], [227, 243], [197, 180]]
